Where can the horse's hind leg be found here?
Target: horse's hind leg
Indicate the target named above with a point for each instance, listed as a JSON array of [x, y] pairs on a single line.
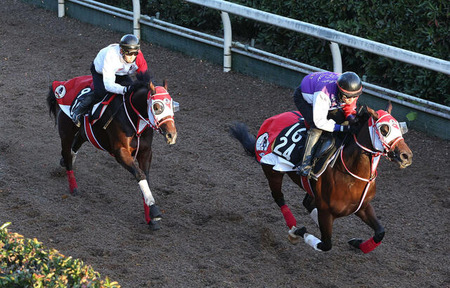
[[308, 201], [66, 133], [76, 144], [275, 180], [368, 216]]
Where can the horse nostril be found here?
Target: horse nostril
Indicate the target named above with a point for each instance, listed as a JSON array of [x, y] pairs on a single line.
[[405, 158]]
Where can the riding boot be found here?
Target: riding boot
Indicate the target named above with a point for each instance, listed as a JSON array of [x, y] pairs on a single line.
[[310, 147], [82, 107]]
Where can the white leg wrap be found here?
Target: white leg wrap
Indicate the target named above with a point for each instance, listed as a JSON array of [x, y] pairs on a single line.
[[149, 200], [312, 241], [74, 157], [314, 216]]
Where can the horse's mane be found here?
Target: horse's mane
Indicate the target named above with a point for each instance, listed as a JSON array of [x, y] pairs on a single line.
[[362, 116], [142, 80]]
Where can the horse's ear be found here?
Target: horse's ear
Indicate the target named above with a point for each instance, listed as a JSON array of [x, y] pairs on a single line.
[[389, 107], [151, 87], [165, 84], [373, 113]]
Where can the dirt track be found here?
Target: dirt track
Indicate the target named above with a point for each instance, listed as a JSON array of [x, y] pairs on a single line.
[[220, 228]]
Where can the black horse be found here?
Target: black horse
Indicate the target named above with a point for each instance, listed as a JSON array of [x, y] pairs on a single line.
[[125, 130], [339, 190]]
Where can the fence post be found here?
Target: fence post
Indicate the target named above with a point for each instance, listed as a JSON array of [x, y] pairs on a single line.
[[227, 36], [337, 60], [136, 18], [61, 8]]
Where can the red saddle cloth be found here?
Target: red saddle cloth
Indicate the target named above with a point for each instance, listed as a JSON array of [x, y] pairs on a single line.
[[67, 91], [270, 129]]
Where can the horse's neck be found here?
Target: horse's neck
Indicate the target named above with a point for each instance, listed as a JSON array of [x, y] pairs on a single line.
[[356, 158], [137, 104]]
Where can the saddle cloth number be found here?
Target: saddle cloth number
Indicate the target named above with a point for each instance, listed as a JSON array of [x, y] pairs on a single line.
[[287, 140]]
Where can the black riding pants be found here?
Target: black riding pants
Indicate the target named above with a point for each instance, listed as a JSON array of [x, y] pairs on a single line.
[[304, 107]]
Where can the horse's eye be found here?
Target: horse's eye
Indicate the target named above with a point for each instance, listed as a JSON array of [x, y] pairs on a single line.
[[384, 130], [158, 108]]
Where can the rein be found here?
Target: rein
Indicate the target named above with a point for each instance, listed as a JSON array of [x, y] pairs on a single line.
[[146, 121], [142, 122], [138, 130], [374, 161]]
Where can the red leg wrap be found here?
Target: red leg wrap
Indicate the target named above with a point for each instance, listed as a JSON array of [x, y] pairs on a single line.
[[72, 182], [369, 245], [288, 217], [146, 212]]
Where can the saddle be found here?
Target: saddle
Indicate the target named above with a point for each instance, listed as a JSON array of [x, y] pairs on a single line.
[[290, 145], [72, 92], [326, 153]]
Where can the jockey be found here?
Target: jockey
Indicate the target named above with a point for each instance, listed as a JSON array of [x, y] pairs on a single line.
[[111, 70], [318, 98]]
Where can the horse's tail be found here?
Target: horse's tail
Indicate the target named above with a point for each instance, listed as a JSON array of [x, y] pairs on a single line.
[[51, 102], [239, 131]]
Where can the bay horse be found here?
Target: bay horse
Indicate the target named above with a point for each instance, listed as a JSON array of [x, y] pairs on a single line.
[[345, 186], [125, 130]]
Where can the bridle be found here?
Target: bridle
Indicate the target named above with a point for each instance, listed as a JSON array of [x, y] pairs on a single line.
[[382, 146], [156, 116], [160, 106]]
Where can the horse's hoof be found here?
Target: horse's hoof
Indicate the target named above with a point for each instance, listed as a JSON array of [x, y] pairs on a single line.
[[154, 225], [293, 239], [155, 213], [355, 242], [74, 192], [295, 234]]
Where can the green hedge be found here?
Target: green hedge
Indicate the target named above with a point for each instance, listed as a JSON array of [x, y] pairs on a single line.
[[421, 26], [27, 263]]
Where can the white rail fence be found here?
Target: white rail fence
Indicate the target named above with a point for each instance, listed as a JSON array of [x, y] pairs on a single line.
[[334, 37]]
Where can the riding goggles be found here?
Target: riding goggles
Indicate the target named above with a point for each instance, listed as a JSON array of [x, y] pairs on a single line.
[[131, 53]]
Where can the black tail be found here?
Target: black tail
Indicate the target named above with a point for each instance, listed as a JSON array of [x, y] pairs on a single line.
[[239, 131], [51, 102]]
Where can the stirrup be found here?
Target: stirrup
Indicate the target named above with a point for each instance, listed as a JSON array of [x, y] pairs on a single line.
[[304, 170], [76, 120]]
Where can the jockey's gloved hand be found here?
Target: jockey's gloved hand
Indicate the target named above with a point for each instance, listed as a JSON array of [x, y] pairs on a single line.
[[341, 128], [352, 118]]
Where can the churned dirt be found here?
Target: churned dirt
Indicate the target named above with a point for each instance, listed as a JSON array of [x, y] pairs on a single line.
[[221, 227]]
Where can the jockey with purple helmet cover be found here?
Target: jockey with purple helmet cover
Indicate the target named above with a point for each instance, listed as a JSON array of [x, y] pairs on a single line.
[[317, 98]]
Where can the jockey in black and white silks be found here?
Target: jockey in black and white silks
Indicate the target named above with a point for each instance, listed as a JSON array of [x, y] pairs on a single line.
[[111, 70]]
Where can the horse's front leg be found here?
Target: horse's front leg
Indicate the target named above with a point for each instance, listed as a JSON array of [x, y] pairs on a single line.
[[152, 212], [368, 216], [326, 229]]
